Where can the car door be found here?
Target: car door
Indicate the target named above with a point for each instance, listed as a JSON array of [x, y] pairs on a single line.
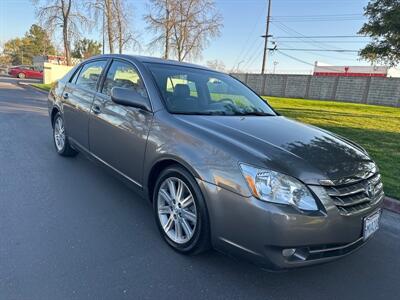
[[77, 100], [117, 133]]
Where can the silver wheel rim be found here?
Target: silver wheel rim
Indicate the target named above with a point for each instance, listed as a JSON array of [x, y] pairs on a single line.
[[176, 210], [59, 134]]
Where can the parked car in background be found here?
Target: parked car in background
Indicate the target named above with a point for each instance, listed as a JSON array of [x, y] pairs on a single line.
[[219, 165], [25, 72]]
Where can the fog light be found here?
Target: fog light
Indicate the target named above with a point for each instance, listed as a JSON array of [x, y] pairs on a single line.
[[288, 252]]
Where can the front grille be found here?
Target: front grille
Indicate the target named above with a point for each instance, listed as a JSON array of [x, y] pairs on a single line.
[[356, 197]]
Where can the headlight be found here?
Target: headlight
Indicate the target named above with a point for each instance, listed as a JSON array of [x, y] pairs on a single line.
[[271, 186]]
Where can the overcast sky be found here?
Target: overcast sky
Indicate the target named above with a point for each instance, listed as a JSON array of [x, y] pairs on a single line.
[[244, 23]]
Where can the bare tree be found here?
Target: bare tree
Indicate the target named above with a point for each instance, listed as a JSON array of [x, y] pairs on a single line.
[[66, 14], [160, 19], [124, 34], [183, 27], [104, 10], [115, 16], [196, 23]]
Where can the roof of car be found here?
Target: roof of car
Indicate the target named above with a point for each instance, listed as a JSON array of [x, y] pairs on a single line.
[[148, 59]]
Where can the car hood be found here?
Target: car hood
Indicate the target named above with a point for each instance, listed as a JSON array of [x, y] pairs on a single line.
[[305, 152]]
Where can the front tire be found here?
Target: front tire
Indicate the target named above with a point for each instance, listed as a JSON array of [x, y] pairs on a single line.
[[21, 76], [180, 211], [60, 137]]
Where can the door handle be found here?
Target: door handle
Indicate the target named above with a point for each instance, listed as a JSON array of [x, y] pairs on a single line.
[[96, 109], [65, 96]]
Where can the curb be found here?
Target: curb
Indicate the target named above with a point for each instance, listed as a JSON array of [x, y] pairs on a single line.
[[391, 204], [28, 85]]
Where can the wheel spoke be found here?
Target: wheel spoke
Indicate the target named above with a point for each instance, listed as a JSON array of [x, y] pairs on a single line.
[[164, 210], [186, 228], [168, 225], [187, 215], [178, 230], [187, 201], [163, 194], [171, 187], [179, 191]]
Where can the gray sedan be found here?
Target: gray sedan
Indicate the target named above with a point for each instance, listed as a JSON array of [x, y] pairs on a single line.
[[221, 168]]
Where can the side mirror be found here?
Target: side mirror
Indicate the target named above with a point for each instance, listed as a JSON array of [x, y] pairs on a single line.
[[129, 97]]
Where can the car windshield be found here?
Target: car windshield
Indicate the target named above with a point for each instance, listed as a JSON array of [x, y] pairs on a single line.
[[192, 91]]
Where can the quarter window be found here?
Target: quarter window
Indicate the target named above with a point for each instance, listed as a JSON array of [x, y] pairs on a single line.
[[123, 75], [90, 74]]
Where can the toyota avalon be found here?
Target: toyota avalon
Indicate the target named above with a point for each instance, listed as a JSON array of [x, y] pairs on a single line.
[[220, 166]]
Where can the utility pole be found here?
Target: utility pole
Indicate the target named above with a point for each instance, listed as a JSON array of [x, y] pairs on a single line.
[[266, 36]]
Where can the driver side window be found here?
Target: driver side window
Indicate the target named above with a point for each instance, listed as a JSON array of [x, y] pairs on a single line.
[[220, 90], [124, 75]]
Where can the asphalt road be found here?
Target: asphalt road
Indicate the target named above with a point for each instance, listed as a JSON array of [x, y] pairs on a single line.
[[70, 230]]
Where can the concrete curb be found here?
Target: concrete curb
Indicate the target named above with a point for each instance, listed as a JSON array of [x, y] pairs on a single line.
[[391, 204], [28, 85]]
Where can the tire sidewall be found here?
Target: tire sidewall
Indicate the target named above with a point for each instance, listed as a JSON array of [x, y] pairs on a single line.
[[200, 231]]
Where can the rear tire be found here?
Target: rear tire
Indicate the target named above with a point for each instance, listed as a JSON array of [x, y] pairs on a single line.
[[21, 76], [182, 221], [60, 137]]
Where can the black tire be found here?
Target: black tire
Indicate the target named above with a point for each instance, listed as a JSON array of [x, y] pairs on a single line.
[[200, 241], [21, 76], [66, 149]]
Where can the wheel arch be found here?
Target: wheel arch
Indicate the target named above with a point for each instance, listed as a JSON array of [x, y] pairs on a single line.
[[54, 111], [161, 165]]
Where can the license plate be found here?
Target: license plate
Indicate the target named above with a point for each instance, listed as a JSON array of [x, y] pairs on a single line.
[[371, 224]]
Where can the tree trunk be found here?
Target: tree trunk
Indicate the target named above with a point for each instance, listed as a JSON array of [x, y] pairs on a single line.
[[167, 34], [108, 8], [66, 43]]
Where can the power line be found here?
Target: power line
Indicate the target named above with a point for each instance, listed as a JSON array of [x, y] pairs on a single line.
[[316, 50], [320, 36]]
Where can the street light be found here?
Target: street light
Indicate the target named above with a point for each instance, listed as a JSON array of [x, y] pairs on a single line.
[[275, 64]]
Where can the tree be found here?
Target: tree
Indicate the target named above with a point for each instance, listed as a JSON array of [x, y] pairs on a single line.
[[86, 48], [38, 41], [35, 42], [217, 65], [125, 35], [115, 16], [383, 27], [160, 19], [184, 27], [65, 14]]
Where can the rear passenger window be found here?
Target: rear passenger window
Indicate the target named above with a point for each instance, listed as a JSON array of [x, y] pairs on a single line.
[[123, 75], [90, 74]]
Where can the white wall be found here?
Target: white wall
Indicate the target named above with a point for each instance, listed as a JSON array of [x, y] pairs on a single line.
[[52, 72]]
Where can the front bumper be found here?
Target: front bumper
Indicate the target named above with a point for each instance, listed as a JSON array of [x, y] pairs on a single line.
[[260, 231]]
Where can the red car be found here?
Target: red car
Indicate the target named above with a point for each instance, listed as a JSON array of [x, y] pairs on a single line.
[[25, 72]]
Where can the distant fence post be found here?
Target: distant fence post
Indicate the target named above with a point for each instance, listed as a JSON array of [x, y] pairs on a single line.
[[284, 86], [366, 91], [335, 87], [246, 78], [263, 87], [308, 87]]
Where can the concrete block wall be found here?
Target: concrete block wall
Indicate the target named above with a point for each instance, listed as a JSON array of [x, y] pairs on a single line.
[[371, 90]]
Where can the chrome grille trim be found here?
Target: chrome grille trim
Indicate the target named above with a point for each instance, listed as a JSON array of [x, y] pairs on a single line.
[[353, 198]]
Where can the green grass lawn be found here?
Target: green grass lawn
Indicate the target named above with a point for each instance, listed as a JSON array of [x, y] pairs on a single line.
[[376, 128], [42, 86]]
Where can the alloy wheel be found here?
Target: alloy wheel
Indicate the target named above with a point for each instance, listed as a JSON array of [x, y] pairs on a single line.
[[59, 134], [177, 210]]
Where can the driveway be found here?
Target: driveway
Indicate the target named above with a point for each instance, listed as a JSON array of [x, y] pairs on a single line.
[[70, 230]]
